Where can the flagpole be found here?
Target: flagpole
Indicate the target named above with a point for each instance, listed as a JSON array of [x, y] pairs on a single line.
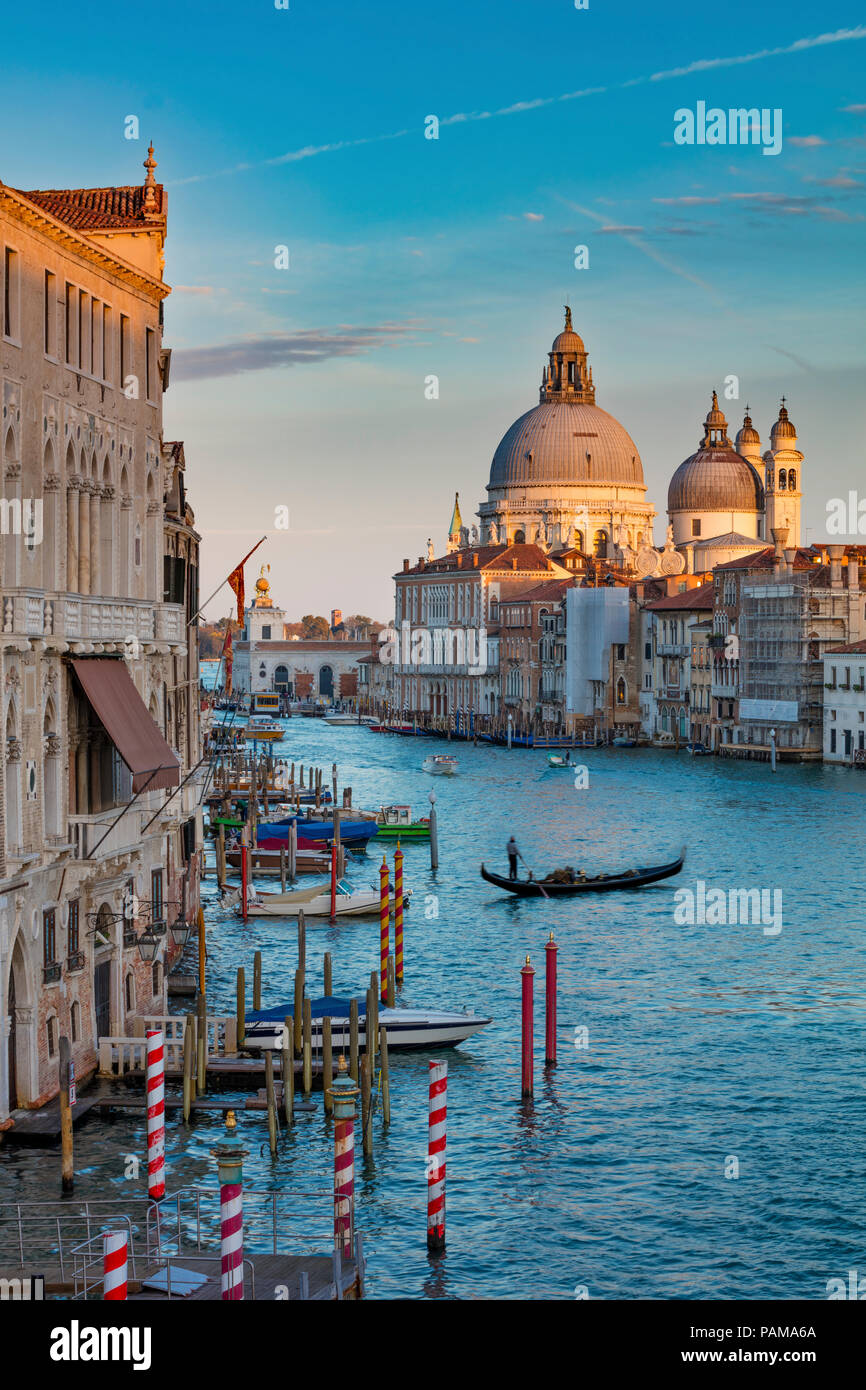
[[226, 580]]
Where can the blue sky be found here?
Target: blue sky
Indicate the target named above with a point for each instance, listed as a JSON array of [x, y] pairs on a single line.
[[410, 257]]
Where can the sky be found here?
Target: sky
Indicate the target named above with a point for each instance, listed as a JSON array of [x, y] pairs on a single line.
[[409, 258]]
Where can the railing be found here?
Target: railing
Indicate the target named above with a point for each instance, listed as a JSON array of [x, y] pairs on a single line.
[[119, 1056], [34, 613]]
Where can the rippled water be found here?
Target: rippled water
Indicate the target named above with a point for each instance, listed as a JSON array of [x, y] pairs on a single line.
[[705, 1042]]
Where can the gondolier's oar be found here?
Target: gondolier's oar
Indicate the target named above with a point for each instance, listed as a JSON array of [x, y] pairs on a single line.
[[528, 870]]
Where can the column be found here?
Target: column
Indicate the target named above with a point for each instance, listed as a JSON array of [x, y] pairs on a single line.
[[84, 538], [72, 498], [95, 536]]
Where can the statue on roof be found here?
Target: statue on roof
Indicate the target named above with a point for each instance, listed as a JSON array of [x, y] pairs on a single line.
[[431, 553], [568, 327]]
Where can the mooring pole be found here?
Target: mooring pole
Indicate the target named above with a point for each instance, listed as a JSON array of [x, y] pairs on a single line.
[[527, 975], [67, 1172], [550, 1000], [436, 1156]]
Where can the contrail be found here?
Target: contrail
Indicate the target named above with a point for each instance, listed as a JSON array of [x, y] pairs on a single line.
[[519, 107]]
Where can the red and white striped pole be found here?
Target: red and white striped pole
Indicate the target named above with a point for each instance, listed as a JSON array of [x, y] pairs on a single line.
[[384, 929], [155, 1115], [550, 1012], [230, 1157], [527, 974], [398, 915], [333, 882], [245, 869], [436, 1157], [115, 1256], [343, 1095]]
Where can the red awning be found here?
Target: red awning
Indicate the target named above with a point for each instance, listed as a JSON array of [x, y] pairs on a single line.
[[112, 693]]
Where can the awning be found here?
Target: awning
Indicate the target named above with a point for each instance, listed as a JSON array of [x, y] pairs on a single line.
[[112, 693]]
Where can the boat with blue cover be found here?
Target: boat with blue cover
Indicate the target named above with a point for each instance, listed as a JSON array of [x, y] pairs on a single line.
[[405, 1028]]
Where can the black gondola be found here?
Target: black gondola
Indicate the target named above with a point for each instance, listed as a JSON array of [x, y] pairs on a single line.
[[600, 883]]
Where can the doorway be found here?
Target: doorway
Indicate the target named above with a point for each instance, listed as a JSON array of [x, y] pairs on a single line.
[[12, 1059], [102, 998]]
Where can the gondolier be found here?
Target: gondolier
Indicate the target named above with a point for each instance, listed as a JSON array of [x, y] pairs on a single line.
[[512, 851]]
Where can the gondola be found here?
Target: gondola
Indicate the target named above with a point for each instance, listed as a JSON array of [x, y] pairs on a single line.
[[600, 883]]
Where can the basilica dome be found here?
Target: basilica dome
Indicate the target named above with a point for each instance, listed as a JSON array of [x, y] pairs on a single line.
[[566, 442], [716, 478]]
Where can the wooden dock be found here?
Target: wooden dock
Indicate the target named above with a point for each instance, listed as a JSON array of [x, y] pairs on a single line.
[[273, 1277]]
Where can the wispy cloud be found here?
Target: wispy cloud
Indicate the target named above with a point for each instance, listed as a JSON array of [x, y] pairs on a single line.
[[856, 110], [808, 142], [620, 231], [652, 254], [265, 351], [521, 107], [534, 216]]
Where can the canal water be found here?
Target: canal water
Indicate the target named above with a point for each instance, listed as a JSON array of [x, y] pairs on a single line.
[[701, 1135]]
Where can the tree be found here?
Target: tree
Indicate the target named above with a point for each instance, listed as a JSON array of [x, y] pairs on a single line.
[[315, 627]]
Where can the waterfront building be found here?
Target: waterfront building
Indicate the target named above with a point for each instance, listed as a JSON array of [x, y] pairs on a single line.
[[845, 703], [674, 617], [300, 668], [521, 625], [701, 692], [444, 610], [725, 500], [98, 657]]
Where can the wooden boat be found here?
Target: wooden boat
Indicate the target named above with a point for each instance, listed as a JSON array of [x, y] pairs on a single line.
[[599, 883], [404, 1028], [624, 741], [440, 764], [396, 823], [559, 760], [698, 750], [267, 861]]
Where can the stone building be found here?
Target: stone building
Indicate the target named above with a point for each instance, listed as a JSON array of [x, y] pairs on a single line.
[[675, 617], [845, 703], [521, 631], [98, 673]]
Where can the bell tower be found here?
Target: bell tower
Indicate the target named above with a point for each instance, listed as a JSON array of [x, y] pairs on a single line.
[[783, 493], [567, 378]]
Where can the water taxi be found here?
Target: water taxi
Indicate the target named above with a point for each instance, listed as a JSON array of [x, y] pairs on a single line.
[[404, 1028], [396, 823], [262, 728], [440, 764]]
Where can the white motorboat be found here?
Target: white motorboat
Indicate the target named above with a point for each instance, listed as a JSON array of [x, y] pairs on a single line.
[[338, 720], [261, 728], [440, 764], [405, 1028], [316, 902]]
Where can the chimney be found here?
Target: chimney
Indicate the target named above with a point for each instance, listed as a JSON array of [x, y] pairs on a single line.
[[854, 573], [790, 557], [780, 535], [835, 552], [405, 566]]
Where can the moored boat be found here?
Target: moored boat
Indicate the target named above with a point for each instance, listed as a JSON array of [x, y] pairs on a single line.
[[316, 902], [262, 728], [404, 1028], [396, 823], [566, 883]]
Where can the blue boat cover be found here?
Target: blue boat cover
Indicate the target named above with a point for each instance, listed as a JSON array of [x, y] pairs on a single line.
[[331, 1006]]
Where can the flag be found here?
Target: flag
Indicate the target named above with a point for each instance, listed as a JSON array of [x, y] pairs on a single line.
[[236, 581]]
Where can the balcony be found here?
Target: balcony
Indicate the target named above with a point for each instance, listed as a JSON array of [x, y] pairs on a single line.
[[90, 618], [75, 961], [673, 648], [51, 973]]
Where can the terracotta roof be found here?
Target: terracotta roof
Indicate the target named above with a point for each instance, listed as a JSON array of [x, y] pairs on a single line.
[[849, 648], [540, 593], [528, 557], [763, 559], [691, 599], [96, 209]]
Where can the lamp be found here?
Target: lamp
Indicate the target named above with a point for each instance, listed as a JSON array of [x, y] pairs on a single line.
[[180, 931], [148, 945]]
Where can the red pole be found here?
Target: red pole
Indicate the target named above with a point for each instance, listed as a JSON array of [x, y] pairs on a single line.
[[114, 1265], [384, 932], [550, 1012], [333, 882], [436, 1156], [245, 870], [155, 1083], [528, 975], [398, 915]]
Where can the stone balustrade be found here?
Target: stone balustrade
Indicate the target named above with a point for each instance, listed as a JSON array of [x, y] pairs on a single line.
[[74, 618]]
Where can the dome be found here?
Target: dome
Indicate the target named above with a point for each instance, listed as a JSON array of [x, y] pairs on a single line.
[[715, 480], [566, 442], [783, 429], [748, 434], [568, 341]]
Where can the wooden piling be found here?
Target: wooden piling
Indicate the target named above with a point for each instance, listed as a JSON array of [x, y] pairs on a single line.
[[67, 1170], [293, 851], [366, 1104], [391, 990], [369, 1027], [202, 945], [299, 1010], [282, 869], [242, 1008], [353, 1041], [386, 1081], [327, 1064], [271, 1100], [221, 856], [287, 1069], [329, 980], [308, 1047], [374, 989], [188, 1082], [201, 1045], [257, 981], [302, 943]]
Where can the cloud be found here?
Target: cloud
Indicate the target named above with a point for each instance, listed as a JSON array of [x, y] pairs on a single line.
[[856, 110], [194, 289], [688, 200], [653, 254], [837, 181], [620, 231], [534, 216], [799, 46], [266, 351], [808, 142]]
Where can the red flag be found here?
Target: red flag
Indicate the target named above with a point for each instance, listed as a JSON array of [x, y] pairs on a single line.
[[236, 581]]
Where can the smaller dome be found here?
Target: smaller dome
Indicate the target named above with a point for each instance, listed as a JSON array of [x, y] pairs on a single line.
[[783, 429], [568, 341], [748, 434], [715, 419]]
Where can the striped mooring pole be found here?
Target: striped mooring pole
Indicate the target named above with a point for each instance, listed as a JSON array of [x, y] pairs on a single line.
[[384, 929], [115, 1257], [436, 1157], [155, 1115], [527, 974], [343, 1094], [550, 1000], [230, 1157], [398, 914]]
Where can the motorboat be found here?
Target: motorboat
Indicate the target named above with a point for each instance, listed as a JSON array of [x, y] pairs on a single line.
[[267, 861], [698, 750], [338, 720], [624, 741], [563, 883], [314, 834], [262, 728], [559, 760], [396, 823], [404, 1028], [316, 902], [440, 764]]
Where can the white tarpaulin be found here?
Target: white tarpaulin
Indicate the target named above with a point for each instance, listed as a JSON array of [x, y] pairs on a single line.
[[595, 619], [785, 711]]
